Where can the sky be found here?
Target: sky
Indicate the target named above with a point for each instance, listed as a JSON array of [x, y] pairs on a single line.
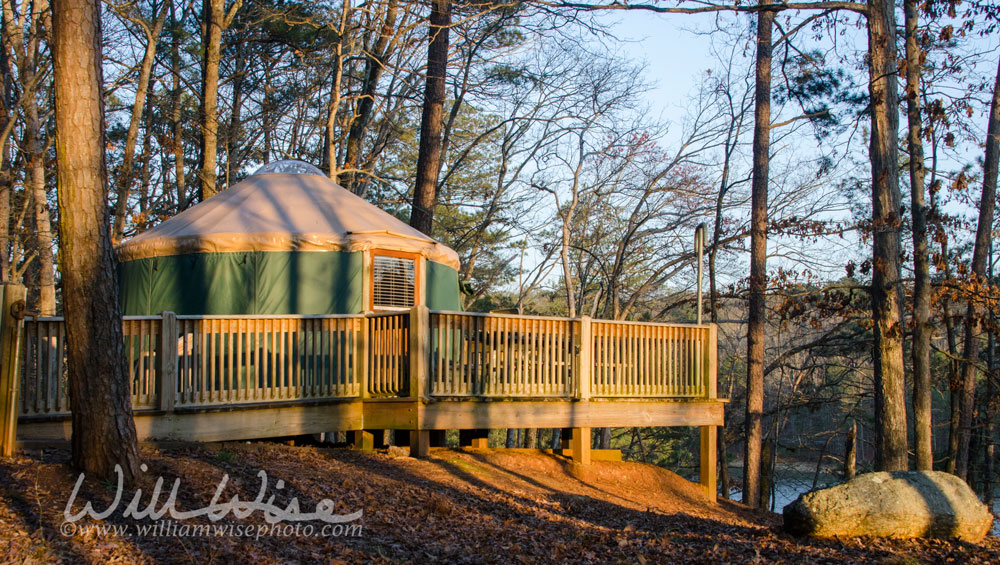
[[674, 54]]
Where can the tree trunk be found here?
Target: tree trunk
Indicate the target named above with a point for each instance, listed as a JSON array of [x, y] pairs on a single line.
[[851, 453], [713, 288], [147, 155], [429, 156], [175, 111], [984, 236], [27, 56], [531, 438], [758, 263], [954, 381], [235, 119], [373, 71], [922, 329], [125, 175], [991, 414], [99, 389], [213, 15], [766, 473], [890, 393], [336, 93], [35, 150], [6, 172]]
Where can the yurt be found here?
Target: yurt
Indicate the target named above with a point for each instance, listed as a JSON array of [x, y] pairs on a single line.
[[287, 240]]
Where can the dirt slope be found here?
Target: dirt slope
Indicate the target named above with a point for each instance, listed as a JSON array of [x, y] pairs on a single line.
[[456, 507]]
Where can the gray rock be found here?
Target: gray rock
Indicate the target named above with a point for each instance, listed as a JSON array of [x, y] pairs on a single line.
[[900, 504]]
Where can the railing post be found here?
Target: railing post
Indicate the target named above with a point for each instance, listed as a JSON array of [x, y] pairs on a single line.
[[585, 361], [712, 362], [10, 365], [361, 357], [420, 350], [420, 358], [166, 362]]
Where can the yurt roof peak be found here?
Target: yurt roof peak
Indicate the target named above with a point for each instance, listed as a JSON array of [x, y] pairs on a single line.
[[283, 206]]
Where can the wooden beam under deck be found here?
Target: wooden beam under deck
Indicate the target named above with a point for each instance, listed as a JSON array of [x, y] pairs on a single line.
[[285, 419]]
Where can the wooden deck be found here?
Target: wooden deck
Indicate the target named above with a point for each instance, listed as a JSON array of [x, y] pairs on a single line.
[[212, 378]]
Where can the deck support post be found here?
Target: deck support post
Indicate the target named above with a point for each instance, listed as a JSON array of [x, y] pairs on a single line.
[[708, 462], [166, 362], [10, 364], [580, 444], [363, 440], [420, 440]]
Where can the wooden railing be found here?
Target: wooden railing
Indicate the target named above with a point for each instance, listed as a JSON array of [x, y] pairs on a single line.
[[503, 356], [388, 354], [226, 360], [496, 355], [203, 361], [44, 388], [632, 359]]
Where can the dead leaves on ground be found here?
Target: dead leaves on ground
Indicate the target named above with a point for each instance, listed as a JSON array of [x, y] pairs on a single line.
[[456, 507]]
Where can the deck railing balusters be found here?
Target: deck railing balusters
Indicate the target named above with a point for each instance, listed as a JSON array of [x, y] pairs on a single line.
[[233, 360]]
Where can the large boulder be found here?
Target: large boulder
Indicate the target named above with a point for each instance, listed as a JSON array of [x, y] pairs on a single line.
[[901, 504]]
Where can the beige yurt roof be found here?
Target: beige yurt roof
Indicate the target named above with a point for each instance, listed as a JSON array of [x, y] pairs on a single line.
[[283, 212]]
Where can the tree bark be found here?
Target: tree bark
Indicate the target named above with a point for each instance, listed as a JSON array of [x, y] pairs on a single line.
[[336, 90], [429, 153], [991, 415], [175, 111], [890, 393], [531, 438], [6, 173], [213, 17], [27, 57], [758, 263], [100, 399], [851, 453], [954, 373], [922, 329], [35, 150], [984, 237], [235, 119]]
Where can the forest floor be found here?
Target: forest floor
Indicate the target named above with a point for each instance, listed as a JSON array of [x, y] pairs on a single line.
[[457, 506]]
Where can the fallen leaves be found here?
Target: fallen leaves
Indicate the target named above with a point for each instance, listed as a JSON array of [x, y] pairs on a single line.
[[455, 507]]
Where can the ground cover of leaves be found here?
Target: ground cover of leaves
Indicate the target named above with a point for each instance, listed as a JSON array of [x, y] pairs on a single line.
[[456, 506]]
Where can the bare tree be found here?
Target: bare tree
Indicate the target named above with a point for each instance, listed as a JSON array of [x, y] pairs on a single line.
[[26, 31], [151, 32], [980, 253]]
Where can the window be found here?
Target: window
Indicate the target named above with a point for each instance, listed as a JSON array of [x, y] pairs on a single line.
[[393, 281]]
